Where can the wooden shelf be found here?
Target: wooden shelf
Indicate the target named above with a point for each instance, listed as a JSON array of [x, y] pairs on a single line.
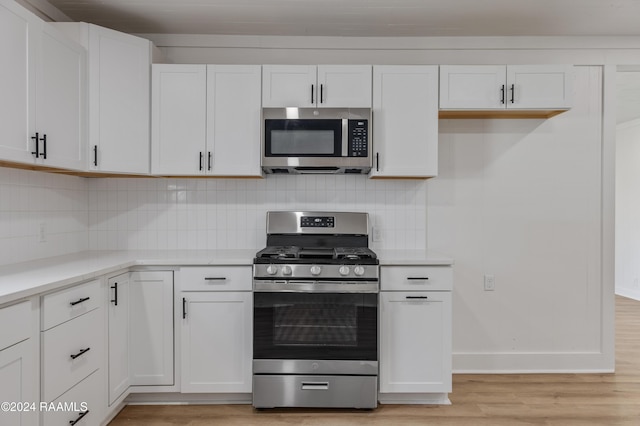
[[501, 113]]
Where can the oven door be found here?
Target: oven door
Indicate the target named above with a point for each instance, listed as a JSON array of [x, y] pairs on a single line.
[[304, 138], [315, 326]]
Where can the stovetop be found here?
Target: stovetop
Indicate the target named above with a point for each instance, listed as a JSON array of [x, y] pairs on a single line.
[[322, 255]]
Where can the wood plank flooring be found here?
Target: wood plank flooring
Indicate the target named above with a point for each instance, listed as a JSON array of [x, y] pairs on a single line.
[[477, 400]]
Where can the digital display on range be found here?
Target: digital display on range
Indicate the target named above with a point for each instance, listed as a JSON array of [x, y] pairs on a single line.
[[317, 222]]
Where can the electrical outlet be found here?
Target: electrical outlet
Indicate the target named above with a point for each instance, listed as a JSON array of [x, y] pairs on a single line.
[[489, 283], [42, 232], [377, 234]]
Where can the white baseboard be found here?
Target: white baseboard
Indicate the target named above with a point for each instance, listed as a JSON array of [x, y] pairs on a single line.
[[631, 293], [414, 398], [532, 363]]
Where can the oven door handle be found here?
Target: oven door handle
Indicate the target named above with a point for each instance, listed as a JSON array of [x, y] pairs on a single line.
[[315, 386]]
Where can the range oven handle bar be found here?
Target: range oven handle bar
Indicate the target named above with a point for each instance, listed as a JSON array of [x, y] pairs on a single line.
[[416, 297]]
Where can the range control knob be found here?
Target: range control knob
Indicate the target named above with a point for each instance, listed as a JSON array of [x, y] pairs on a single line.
[[272, 269], [286, 270], [358, 270], [343, 270], [315, 270]]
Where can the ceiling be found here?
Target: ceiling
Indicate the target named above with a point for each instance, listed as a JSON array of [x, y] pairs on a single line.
[[386, 18]]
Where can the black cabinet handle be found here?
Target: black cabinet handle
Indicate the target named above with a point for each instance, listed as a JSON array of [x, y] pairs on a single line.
[[82, 352], [209, 162], [215, 278], [36, 138], [312, 94], [95, 155], [502, 95], [84, 299], [201, 158], [184, 308], [418, 278], [115, 294], [43, 154], [321, 93], [377, 161], [416, 297], [513, 93], [82, 414]]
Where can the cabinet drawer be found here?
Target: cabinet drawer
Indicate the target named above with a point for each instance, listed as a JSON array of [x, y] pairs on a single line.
[[67, 304], [216, 278], [84, 398], [419, 278], [71, 351], [19, 317]]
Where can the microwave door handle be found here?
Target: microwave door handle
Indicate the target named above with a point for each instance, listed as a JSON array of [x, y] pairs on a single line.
[[345, 137]]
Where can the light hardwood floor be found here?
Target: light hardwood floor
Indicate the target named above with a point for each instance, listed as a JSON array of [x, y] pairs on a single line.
[[477, 400]]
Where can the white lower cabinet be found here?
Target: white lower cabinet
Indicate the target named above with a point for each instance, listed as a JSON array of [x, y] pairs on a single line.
[[151, 328], [80, 405], [217, 334], [18, 364], [118, 340], [415, 334]]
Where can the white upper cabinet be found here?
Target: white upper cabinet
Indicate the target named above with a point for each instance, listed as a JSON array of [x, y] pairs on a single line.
[[60, 101], [179, 119], [16, 78], [233, 120], [512, 87], [405, 125], [119, 111], [42, 82], [206, 120], [322, 86]]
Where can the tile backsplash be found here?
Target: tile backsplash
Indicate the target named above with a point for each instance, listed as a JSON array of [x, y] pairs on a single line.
[[169, 213], [45, 214], [41, 215]]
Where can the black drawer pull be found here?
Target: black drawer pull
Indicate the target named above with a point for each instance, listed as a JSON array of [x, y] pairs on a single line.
[[215, 278], [184, 308], [82, 352], [84, 299], [115, 294], [73, 422], [416, 297], [418, 278]]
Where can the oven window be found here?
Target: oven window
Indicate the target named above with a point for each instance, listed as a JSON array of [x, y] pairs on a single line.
[[303, 138], [315, 326]]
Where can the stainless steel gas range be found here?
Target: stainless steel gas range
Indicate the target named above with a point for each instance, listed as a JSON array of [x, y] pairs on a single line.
[[315, 324]]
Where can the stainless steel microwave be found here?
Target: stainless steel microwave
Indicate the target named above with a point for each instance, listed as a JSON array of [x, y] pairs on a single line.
[[316, 141]]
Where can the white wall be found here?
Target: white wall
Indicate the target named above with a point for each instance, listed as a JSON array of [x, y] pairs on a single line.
[[29, 199], [230, 213], [520, 200], [628, 209]]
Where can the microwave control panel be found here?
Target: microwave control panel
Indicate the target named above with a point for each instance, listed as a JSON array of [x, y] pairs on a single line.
[[358, 138]]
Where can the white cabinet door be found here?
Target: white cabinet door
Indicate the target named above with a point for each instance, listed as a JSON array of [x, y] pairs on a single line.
[[16, 78], [415, 342], [344, 86], [18, 382], [405, 125], [178, 116], [289, 86], [119, 109], [118, 300], [511, 87], [233, 120], [539, 86], [217, 342], [151, 328], [60, 101], [472, 87]]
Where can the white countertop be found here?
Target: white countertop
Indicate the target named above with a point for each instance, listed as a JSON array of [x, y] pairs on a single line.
[[21, 280]]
